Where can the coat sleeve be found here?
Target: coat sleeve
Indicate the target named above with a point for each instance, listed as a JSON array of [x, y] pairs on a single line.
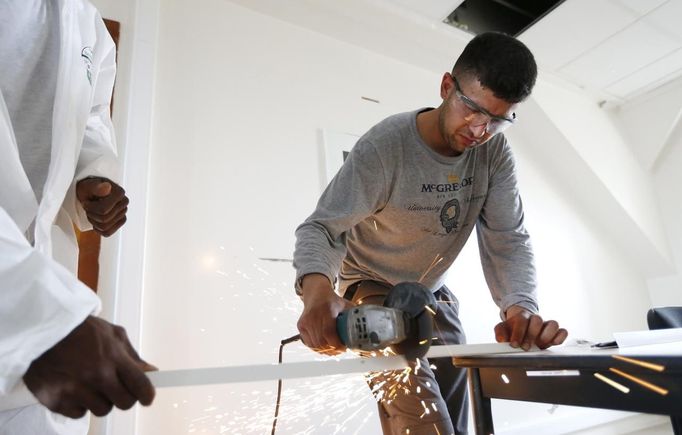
[[357, 191], [504, 244], [40, 303], [98, 156]]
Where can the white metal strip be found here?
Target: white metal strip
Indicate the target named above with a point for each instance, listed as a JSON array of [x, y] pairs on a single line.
[[461, 350], [310, 369], [264, 372], [307, 369]]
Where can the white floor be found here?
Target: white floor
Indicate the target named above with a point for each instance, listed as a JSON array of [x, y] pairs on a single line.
[[664, 429], [639, 424], [544, 419]]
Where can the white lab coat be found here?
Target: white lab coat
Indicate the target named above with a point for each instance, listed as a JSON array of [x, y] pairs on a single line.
[[41, 300]]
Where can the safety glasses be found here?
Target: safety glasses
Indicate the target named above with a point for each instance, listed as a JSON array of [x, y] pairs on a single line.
[[477, 115]]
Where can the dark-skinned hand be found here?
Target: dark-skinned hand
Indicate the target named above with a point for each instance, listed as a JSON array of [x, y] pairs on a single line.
[[94, 368], [105, 203], [522, 328]]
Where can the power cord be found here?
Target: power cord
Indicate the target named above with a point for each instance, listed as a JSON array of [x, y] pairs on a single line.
[[279, 381]]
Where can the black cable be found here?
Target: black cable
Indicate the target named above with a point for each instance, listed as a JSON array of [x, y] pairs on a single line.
[[279, 381]]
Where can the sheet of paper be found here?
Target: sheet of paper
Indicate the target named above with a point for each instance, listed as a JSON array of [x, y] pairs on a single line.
[[666, 349], [641, 338]]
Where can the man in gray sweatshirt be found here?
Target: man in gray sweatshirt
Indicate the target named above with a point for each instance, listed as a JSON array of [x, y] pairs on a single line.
[[405, 202]]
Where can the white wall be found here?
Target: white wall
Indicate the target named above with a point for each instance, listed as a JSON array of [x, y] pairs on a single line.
[[601, 145], [652, 124], [668, 179], [647, 122], [240, 101]]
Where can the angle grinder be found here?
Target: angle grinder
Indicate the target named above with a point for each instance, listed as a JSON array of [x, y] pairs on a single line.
[[404, 322]]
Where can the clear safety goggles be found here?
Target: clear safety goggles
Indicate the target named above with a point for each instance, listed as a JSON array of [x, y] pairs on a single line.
[[477, 115]]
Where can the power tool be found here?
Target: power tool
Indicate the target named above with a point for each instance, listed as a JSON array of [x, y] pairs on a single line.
[[404, 322]]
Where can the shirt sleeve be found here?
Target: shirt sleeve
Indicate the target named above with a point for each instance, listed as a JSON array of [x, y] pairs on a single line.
[[504, 244], [357, 191], [98, 156], [40, 303]]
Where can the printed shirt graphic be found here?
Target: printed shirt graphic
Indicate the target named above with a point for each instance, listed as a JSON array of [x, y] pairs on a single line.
[[450, 211], [396, 205]]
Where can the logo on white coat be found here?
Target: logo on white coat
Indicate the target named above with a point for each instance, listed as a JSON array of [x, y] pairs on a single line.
[[87, 56]]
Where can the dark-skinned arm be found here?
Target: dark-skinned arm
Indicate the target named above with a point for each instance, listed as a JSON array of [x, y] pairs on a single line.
[[94, 368], [105, 204]]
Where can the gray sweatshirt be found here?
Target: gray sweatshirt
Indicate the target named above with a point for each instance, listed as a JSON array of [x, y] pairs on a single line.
[[396, 205], [29, 57]]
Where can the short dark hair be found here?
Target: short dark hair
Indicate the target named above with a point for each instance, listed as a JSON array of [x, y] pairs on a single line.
[[500, 63]]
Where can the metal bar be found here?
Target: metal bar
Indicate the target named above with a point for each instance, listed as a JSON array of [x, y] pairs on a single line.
[[311, 369], [462, 350], [253, 373], [20, 396]]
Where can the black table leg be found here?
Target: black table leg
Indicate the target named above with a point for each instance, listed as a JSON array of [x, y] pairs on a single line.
[[483, 416]]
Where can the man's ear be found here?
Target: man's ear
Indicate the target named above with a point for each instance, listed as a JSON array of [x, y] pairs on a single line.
[[446, 86]]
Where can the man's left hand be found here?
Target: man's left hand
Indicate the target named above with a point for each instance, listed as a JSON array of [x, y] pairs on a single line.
[[105, 203], [522, 328]]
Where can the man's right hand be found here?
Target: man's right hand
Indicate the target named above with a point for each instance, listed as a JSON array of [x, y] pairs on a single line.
[[92, 369], [321, 306]]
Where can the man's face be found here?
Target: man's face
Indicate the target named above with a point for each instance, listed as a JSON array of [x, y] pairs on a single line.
[[471, 115]]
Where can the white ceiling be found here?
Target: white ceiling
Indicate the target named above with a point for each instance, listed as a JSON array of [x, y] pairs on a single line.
[[614, 49], [621, 48]]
